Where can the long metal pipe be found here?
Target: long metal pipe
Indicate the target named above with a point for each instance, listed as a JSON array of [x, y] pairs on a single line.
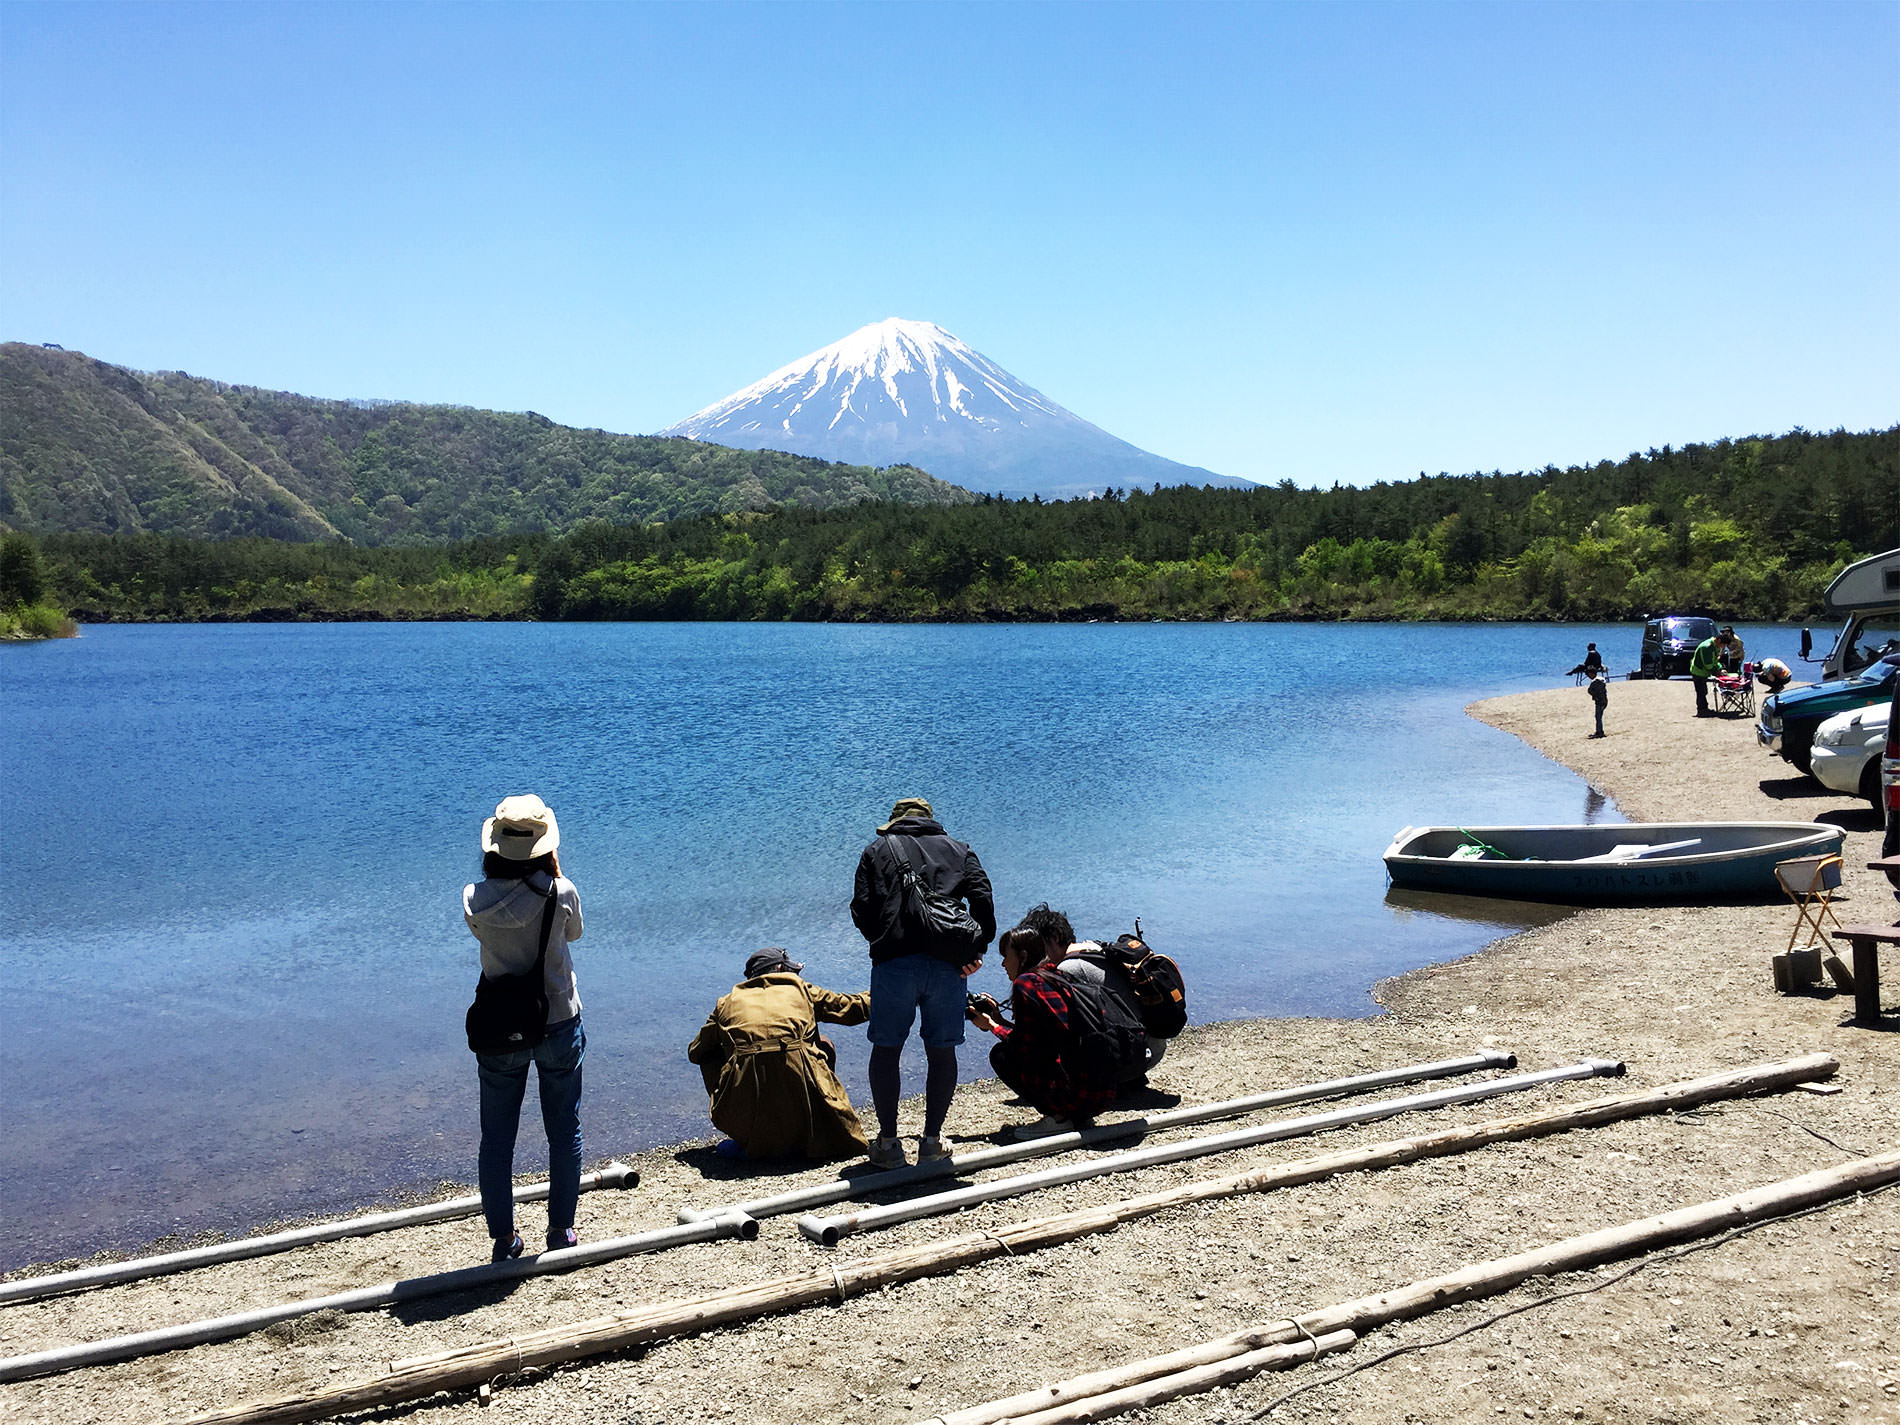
[[223, 1328], [959, 1164], [827, 1230], [614, 1175]]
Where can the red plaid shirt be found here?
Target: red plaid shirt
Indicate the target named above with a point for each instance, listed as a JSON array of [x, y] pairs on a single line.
[[1030, 1057]]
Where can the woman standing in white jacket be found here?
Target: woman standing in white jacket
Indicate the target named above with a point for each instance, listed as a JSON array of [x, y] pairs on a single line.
[[521, 887]]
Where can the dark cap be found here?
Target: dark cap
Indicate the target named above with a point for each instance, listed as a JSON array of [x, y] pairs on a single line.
[[769, 960]]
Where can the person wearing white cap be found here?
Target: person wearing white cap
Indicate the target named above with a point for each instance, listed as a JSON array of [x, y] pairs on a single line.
[[524, 913]]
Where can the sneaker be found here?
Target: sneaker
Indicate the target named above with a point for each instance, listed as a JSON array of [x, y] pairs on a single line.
[[729, 1148], [932, 1149], [1045, 1127], [566, 1237], [888, 1153], [506, 1251]]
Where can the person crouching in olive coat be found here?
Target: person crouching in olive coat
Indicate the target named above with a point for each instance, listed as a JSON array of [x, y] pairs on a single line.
[[769, 1071]]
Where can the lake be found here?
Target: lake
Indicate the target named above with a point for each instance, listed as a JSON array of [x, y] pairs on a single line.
[[234, 961]]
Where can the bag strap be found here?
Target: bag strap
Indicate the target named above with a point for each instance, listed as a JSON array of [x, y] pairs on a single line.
[[547, 928]]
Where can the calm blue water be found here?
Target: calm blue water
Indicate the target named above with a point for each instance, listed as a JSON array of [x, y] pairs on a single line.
[[234, 967]]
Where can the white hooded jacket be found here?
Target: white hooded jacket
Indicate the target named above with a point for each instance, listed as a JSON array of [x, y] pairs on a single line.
[[505, 916]]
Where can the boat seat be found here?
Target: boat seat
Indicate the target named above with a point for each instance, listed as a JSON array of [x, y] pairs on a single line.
[[1637, 851], [1810, 882]]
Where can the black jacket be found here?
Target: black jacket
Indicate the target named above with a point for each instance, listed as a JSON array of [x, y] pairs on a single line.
[[945, 864]]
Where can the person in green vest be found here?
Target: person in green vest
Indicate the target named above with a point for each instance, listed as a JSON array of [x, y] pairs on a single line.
[[1704, 663]]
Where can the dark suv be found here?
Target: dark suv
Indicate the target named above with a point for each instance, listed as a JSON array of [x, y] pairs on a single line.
[[1669, 642]]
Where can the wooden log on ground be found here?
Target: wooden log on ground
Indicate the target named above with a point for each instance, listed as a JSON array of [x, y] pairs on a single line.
[[1160, 1389], [1104, 1393], [470, 1365]]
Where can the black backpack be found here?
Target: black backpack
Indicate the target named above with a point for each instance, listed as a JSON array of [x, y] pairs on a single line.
[[1160, 992], [1109, 1043]]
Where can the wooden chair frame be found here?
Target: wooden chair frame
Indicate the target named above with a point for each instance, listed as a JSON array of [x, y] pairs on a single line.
[[1810, 882]]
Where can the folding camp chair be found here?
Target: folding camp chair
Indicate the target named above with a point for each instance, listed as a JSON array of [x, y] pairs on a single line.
[[1810, 882], [1735, 693]]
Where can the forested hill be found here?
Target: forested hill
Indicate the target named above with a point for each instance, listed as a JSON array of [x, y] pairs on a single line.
[[90, 447], [1744, 529]]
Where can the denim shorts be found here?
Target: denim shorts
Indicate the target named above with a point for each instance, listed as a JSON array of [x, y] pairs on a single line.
[[901, 987]]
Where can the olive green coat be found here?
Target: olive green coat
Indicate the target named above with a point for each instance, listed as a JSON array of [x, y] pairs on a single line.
[[773, 1090]]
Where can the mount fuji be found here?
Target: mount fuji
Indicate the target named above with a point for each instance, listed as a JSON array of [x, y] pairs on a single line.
[[899, 392]]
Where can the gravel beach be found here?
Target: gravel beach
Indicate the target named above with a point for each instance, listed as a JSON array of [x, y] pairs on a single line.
[[1797, 1320]]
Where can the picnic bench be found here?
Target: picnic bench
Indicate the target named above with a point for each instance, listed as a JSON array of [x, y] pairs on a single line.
[[1867, 940]]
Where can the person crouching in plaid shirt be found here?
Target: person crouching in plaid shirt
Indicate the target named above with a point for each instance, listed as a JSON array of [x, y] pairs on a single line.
[[1033, 1055]]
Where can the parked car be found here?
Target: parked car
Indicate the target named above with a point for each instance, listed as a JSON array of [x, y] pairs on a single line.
[[1847, 748], [1890, 783], [1669, 642], [1788, 720]]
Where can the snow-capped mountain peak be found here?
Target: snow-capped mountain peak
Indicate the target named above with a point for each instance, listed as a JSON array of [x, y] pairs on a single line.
[[911, 392]]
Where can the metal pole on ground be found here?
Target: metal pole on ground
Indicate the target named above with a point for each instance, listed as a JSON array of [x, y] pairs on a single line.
[[223, 1328], [827, 1230], [614, 1175], [976, 1160]]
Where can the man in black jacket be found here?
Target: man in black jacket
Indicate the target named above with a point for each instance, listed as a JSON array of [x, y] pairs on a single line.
[[915, 967]]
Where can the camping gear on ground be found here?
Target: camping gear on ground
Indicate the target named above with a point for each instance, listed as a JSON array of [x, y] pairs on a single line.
[[1735, 692], [511, 1011], [1689, 863]]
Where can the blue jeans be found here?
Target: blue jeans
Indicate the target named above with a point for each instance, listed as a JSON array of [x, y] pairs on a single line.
[[910, 983], [504, 1083]]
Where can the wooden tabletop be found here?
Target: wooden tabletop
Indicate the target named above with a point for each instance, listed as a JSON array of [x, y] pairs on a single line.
[[1888, 934], [1885, 863]]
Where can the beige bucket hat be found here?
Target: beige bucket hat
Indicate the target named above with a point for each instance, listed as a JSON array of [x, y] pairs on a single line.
[[522, 828], [907, 806]]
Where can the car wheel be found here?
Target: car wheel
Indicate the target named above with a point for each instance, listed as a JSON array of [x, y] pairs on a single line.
[[1803, 759], [1870, 782]]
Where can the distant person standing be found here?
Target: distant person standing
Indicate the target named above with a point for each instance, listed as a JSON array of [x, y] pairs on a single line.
[[1600, 696], [1704, 664], [1732, 662], [918, 968], [1591, 666], [524, 913]]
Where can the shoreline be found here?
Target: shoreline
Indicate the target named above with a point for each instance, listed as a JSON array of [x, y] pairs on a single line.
[[1750, 1331]]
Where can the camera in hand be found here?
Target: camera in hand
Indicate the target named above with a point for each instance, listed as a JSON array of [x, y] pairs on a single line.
[[975, 1004]]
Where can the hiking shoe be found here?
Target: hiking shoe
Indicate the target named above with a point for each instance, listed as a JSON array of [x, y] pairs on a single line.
[[888, 1153], [506, 1251], [566, 1237], [932, 1149], [1045, 1127]]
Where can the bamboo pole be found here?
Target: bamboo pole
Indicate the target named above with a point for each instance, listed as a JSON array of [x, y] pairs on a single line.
[[1160, 1389], [471, 1365], [614, 1175], [1050, 1404]]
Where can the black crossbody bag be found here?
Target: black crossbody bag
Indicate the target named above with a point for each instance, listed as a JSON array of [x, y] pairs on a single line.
[[940, 917], [511, 1011]]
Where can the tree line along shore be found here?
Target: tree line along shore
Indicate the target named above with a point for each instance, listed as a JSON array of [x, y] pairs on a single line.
[[1745, 529]]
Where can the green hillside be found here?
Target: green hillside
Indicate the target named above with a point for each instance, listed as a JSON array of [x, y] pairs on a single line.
[[1741, 528], [95, 448]]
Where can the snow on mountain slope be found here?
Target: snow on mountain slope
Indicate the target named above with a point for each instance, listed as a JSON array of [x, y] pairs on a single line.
[[909, 392]]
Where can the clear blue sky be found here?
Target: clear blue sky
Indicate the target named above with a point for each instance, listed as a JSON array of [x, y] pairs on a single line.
[[1315, 242]]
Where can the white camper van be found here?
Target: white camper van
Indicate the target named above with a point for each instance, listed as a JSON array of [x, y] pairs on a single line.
[[1867, 596]]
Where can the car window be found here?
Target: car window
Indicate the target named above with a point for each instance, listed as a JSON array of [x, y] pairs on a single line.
[[1696, 628]]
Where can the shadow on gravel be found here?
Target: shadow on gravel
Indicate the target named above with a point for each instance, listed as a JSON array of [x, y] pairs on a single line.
[[1861, 818], [1784, 789]]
